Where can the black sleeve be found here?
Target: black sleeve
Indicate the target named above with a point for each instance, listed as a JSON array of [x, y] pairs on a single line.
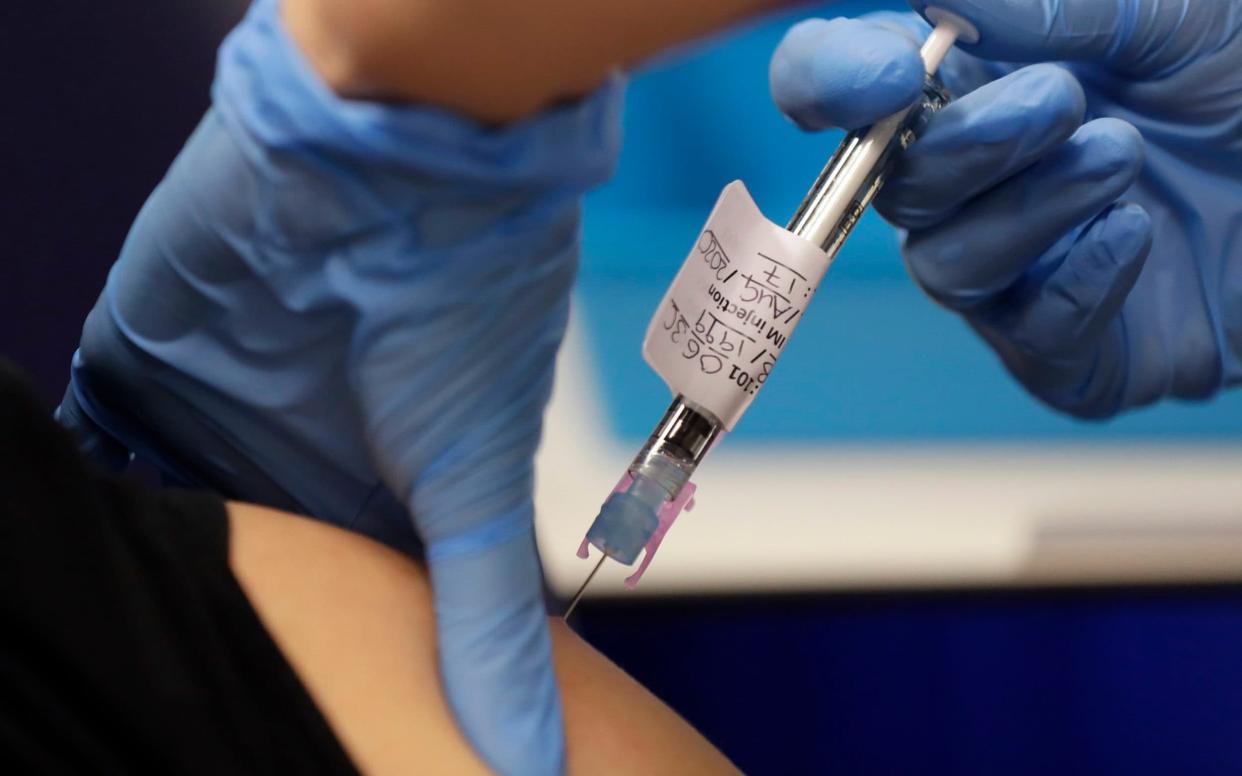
[[127, 645]]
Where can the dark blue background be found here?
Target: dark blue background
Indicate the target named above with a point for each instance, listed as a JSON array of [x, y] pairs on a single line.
[[97, 99], [1039, 683]]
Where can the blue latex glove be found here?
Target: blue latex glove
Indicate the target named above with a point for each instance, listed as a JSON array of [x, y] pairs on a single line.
[[1083, 217], [352, 310]]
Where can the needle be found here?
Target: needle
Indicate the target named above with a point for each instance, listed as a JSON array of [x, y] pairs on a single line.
[[581, 590]]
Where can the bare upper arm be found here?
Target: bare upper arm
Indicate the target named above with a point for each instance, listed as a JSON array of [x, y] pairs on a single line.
[[354, 619], [494, 60]]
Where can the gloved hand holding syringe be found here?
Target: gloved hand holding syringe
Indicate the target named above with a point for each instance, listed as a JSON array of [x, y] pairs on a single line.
[[729, 313]]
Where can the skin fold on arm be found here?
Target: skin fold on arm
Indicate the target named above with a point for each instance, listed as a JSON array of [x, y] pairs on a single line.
[[494, 60], [355, 620]]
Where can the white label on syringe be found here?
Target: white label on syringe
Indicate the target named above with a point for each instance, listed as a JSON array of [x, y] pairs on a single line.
[[728, 314]]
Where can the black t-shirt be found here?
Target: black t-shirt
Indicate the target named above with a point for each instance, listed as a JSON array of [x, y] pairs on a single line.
[[126, 644]]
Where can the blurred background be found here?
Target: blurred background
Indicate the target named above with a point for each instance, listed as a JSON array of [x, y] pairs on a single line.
[[899, 563]]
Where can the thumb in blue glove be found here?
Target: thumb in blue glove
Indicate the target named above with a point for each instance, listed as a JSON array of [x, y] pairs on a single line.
[[1078, 215], [452, 366]]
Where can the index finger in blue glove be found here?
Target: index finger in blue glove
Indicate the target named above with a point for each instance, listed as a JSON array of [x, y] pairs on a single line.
[[1139, 37], [844, 73], [849, 73], [495, 649]]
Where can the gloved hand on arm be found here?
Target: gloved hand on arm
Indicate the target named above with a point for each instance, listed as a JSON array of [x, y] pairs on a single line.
[[1083, 216], [352, 310]]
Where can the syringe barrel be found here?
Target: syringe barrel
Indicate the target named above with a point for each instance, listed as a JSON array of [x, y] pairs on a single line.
[[686, 433], [660, 471], [857, 171]]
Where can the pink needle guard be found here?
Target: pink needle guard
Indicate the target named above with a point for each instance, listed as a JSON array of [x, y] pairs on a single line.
[[668, 515]]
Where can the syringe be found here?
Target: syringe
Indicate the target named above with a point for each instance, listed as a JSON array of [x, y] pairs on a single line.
[[656, 486]]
